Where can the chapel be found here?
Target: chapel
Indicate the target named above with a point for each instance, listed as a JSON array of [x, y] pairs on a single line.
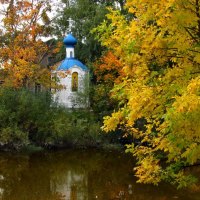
[[73, 75]]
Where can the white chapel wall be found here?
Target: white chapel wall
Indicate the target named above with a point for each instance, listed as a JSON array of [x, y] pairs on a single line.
[[66, 97]]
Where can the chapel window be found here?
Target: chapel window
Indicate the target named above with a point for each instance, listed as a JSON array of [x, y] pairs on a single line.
[[37, 87], [74, 81]]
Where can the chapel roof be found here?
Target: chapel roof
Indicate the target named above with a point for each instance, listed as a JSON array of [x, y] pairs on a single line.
[[70, 40], [71, 62]]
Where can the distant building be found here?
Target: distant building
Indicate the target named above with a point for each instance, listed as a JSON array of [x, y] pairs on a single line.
[[74, 77], [1, 75]]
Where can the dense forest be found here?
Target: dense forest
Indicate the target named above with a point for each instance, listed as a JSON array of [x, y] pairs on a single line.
[[144, 61]]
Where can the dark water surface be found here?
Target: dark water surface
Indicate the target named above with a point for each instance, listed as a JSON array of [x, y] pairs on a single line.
[[77, 175]]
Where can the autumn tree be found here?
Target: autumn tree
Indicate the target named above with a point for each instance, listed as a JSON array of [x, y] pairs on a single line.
[[108, 70], [160, 53], [22, 50]]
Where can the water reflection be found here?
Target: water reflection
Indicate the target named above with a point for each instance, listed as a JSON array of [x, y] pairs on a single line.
[[77, 175]]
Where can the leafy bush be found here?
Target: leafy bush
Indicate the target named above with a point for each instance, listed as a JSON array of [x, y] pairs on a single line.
[[29, 118]]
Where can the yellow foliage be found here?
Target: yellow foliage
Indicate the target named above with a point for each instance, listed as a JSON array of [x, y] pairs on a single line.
[[160, 55], [149, 171], [112, 122]]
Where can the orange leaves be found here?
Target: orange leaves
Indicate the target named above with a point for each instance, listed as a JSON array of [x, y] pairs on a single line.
[[57, 48], [23, 50], [108, 69], [63, 74]]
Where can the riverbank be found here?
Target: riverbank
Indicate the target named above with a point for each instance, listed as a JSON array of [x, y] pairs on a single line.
[[34, 121], [32, 148]]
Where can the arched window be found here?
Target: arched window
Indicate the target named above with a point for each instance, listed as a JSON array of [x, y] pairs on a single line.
[[71, 54], [74, 81], [37, 88]]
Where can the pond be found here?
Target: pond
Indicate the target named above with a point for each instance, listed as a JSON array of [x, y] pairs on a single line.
[[77, 175]]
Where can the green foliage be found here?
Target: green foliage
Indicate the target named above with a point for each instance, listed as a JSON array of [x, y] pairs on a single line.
[[100, 100], [79, 13], [75, 128], [80, 17], [13, 137], [29, 118]]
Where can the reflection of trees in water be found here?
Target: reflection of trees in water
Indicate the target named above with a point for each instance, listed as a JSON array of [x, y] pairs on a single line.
[[75, 175], [10, 170], [42, 176], [24, 179]]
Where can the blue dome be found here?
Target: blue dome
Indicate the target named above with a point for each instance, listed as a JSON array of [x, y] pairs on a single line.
[[70, 62], [70, 40]]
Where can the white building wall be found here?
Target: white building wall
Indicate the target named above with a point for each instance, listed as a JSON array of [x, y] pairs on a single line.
[[70, 52], [66, 97]]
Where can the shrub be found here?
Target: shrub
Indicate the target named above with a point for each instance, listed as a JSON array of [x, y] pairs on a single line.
[[29, 118]]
